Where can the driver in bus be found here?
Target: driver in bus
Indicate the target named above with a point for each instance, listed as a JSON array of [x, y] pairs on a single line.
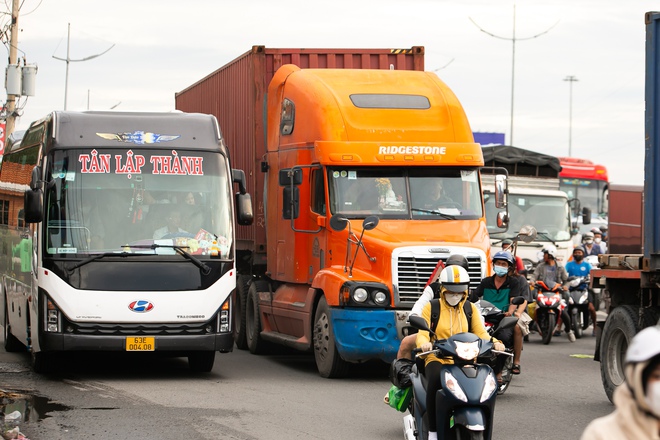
[[173, 226]]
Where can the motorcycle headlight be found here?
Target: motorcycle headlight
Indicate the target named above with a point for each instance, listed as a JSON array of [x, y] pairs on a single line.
[[467, 350], [360, 295], [489, 388], [453, 387]]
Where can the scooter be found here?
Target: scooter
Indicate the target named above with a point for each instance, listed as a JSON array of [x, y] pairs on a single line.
[[596, 293], [578, 304], [549, 305], [466, 401], [492, 317]]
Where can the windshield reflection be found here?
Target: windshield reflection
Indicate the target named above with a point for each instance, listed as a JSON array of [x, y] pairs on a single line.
[[89, 213], [549, 215], [429, 193]]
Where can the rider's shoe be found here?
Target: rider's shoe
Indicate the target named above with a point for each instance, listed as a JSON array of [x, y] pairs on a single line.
[[571, 336]]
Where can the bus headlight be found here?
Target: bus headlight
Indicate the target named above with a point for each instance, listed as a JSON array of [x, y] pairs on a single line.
[[52, 317]]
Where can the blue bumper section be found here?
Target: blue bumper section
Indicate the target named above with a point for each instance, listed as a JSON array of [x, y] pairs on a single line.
[[361, 335]]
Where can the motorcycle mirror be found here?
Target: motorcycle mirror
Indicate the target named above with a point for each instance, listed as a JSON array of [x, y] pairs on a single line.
[[419, 323], [527, 234], [507, 322], [518, 300]]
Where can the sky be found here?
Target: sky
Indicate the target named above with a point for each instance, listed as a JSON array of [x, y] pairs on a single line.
[[161, 47]]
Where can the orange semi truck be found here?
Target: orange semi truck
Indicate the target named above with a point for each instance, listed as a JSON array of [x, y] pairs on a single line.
[[365, 175]]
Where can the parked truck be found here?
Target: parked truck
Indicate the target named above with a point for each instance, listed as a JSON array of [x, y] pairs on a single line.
[[534, 198], [341, 147], [632, 280]]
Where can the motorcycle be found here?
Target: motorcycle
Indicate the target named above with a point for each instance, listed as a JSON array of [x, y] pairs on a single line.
[[466, 400], [492, 317], [596, 293], [549, 306], [578, 304]]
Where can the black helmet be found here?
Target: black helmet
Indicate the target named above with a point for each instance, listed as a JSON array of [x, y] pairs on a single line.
[[457, 260]]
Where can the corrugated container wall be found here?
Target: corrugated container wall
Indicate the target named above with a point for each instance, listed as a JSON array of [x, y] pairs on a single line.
[[236, 92]]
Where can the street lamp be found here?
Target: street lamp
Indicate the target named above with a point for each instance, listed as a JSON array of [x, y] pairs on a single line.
[[571, 79], [68, 60]]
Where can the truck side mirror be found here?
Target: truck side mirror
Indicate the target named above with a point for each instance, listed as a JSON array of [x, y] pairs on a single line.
[[502, 219], [586, 215], [500, 191], [290, 202], [290, 176]]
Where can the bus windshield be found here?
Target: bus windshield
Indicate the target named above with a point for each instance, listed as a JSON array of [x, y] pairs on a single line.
[[549, 215], [395, 192], [136, 201], [591, 193]]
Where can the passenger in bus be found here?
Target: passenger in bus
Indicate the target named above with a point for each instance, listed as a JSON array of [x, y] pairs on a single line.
[[193, 215]]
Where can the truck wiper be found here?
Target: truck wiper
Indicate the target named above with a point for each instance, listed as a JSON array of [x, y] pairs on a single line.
[[441, 214], [547, 237], [206, 269], [123, 254]]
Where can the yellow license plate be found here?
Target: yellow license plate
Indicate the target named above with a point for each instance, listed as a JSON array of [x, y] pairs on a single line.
[[140, 343]]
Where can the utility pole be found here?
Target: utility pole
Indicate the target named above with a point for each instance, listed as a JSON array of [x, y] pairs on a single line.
[[68, 60], [571, 79], [13, 59], [513, 40]]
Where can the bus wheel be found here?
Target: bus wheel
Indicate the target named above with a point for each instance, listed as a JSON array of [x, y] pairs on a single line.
[[12, 344], [201, 361], [328, 361], [42, 363]]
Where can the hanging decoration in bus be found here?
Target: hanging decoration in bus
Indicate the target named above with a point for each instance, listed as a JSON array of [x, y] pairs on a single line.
[[138, 137], [129, 163]]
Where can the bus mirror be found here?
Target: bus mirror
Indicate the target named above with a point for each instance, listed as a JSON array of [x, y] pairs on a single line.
[[290, 202], [290, 176], [238, 176], [35, 180], [502, 219], [244, 214], [33, 210], [500, 191], [586, 215]]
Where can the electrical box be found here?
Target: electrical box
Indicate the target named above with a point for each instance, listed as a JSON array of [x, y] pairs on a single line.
[[13, 79], [29, 77]]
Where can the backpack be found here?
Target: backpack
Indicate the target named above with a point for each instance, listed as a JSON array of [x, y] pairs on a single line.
[[435, 313]]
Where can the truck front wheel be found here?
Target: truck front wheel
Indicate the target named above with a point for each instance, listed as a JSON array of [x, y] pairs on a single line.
[[620, 328], [328, 361], [253, 328]]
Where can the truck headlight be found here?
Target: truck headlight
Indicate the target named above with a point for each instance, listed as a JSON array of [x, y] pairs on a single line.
[[360, 295], [380, 298]]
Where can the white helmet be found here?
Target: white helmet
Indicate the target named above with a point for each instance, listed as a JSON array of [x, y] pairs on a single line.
[[550, 250], [642, 351], [455, 279]]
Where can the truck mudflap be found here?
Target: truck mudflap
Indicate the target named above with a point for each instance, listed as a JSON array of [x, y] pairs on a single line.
[[364, 334]]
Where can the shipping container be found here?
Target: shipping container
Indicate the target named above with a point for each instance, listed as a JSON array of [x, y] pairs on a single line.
[[235, 94]]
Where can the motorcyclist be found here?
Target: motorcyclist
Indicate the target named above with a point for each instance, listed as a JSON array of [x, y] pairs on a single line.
[[499, 289], [520, 266], [637, 400], [454, 281], [590, 247], [550, 272], [579, 267], [432, 290], [598, 240]]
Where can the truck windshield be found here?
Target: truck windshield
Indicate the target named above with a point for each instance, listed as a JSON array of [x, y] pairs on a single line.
[[549, 215], [105, 201], [428, 193], [591, 193]]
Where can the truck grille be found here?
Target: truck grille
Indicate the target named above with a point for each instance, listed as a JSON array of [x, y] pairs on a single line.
[[414, 273]]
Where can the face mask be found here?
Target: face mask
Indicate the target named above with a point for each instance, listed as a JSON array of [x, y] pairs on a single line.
[[453, 298], [653, 397], [500, 271], [578, 258], [588, 241], [597, 240]]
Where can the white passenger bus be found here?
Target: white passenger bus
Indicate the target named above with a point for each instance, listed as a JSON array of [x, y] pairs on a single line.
[[117, 234]]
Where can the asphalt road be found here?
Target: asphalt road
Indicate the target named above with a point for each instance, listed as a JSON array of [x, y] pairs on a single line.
[[281, 397]]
